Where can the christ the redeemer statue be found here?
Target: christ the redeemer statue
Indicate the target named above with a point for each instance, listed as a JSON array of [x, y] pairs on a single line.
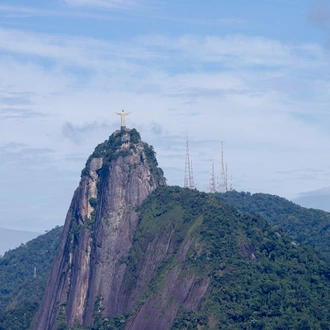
[[123, 115]]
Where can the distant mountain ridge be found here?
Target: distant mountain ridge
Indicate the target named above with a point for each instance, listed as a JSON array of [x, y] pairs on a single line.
[[12, 238], [308, 226], [317, 199], [20, 291]]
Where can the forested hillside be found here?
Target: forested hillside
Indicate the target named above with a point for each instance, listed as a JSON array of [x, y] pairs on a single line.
[[257, 277], [307, 226], [195, 263], [20, 291]]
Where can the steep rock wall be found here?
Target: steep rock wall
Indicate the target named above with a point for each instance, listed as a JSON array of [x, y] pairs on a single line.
[[98, 232], [159, 282], [188, 291]]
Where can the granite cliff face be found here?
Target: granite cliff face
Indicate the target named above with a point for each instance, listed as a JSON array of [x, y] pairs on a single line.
[[98, 232]]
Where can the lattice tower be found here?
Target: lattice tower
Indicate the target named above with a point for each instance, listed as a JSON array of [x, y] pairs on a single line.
[[226, 179], [212, 180], [191, 177], [187, 174], [222, 184]]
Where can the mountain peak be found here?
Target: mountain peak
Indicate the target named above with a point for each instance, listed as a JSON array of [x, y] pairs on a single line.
[[118, 176]]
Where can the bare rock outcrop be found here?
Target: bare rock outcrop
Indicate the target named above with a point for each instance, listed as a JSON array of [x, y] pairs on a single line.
[[98, 232]]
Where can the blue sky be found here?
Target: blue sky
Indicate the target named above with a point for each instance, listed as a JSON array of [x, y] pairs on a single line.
[[253, 73]]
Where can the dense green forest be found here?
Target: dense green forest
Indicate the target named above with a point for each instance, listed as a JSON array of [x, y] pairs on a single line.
[[20, 291], [259, 279], [305, 225]]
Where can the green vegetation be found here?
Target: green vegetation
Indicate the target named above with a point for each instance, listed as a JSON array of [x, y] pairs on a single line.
[[20, 292], [110, 149], [99, 323], [61, 318], [74, 233], [89, 222], [135, 136], [308, 226], [152, 162], [93, 202], [259, 277]]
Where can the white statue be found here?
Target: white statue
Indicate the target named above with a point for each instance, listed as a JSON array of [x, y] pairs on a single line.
[[123, 115]]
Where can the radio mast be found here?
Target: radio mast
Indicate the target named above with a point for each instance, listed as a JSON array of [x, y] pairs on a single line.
[[188, 175], [212, 180], [191, 178], [222, 184], [187, 166]]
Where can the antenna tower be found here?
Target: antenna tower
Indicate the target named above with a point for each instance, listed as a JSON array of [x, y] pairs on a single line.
[[187, 166], [226, 179], [212, 181], [188, 175], [191, 177], [223, 179]]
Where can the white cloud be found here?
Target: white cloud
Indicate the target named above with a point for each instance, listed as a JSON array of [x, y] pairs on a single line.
[[60, 92], [11, 113], [108, 10], [107, 4], [15, 11], [236, 50], [78, 133], [231, 50]]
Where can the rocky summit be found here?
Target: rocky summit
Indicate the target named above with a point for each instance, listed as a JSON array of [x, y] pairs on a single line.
[[98, 232]]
